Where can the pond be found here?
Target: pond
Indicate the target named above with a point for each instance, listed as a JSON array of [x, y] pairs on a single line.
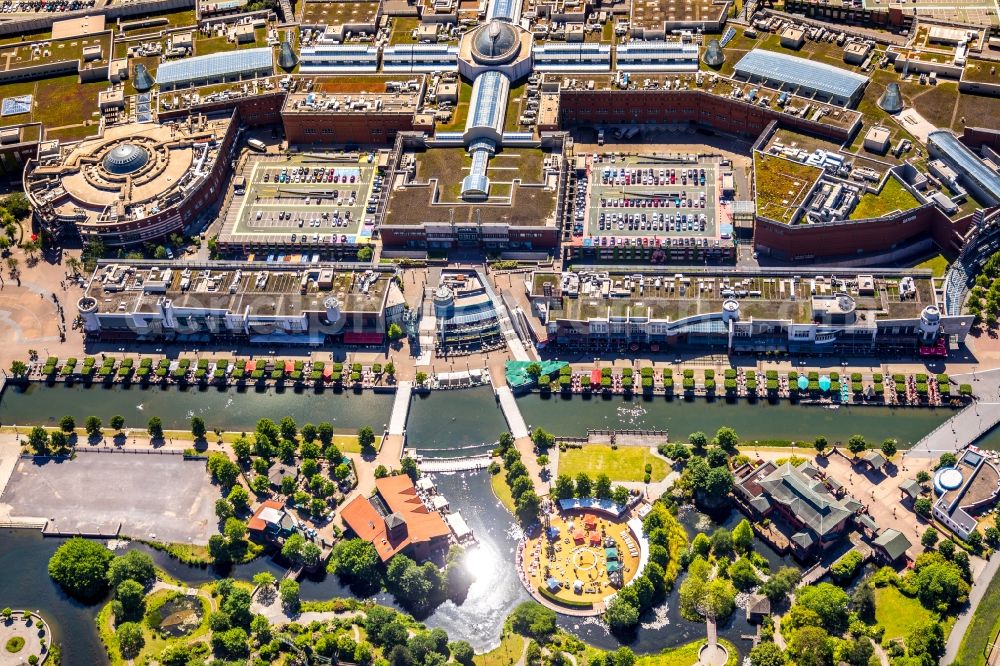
[[455, 423], [179, 616]]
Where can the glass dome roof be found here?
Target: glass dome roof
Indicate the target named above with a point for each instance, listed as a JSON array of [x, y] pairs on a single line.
[[126, 158], [495, 40]]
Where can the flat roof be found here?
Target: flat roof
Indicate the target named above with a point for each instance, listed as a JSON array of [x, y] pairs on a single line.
[[800, 72], [263, 291], [771, 296]]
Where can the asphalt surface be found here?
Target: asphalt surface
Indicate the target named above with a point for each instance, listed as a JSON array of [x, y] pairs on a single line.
[[150, 495]]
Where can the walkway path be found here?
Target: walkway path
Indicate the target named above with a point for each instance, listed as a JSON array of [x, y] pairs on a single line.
[[400, 408], [455, 464], [512, 412], [270, 606], [981, 582], [967, 425]]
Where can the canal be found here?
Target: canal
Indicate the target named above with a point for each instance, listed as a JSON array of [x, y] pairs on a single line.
[[573, 416], [224, 408]]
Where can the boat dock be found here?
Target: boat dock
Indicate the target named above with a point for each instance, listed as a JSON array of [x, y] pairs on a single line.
[[471, 463]]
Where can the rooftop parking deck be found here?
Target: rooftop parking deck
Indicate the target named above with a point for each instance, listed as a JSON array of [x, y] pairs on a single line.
[[761, 296]]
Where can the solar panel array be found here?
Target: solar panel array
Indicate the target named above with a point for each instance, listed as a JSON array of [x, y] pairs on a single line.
[[13, 106], [800, 73], [728, 36], [216, 65]]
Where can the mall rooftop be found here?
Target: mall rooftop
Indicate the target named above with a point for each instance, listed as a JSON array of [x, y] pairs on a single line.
[[236, 288]]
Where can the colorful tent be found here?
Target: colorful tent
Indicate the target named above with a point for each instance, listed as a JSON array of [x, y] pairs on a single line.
[[579, 536], [611, 553], [595, 538]]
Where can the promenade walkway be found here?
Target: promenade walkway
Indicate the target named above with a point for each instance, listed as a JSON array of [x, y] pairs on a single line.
[[400, 408], [511, 412], [455, 464], [967, 425]]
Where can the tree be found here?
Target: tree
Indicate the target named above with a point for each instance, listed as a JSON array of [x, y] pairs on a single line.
[[223, 470], [198, 428], [129, 597], [534, 370], [602, 487], [462, 652], [420, 378], [620, 495], [922, 505], [223, 508], [239, 498], [811, 646], [288, 590], [528, 506], [155, 428], [231, 644], [80, 567], [781, 582], [743, 536], [621, 614], [948, 459], [584, 486], [564, 488], [820, 443], [381, 472], [287, 428], [767, 654], [264, 580], [67, 423], [717, 457], [829, 602], [698, 440], [58, 440], [366, 438], [38, 440], [394, 332], [235, 530], [17, 205], [722, 542], [18, 368], [889, 447], [365, 253], [117, 422], [358, 559], [857, 651], [93, 426], [133, 565], [130, 639], [856, 444], [409, 467], [743, 575], [926, 638], [237, 606], [940, 584], [727, 438], [532, 619], [863, 602], [929, 538], [325, 433]]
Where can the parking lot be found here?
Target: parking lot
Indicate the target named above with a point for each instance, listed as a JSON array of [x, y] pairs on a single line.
[[148, 494], [648, 198], [311, 199]]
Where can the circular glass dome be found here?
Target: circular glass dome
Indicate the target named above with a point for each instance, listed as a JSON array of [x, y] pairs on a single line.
[[126, 158], [495, 41], [947, 479]]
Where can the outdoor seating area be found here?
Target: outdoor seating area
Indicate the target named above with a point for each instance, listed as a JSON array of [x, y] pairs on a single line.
[[580, 560]]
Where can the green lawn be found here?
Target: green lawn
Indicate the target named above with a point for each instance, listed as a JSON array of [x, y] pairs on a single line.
[[983, 629], [781, 186], [897, 612], [502, 491], [461, 110], [508, 652], [893, 197], [626, 463], [349, 443], [938, 264]]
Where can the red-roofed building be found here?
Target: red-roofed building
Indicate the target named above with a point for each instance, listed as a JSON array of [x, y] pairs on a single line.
[[271, 520], [395, 520]]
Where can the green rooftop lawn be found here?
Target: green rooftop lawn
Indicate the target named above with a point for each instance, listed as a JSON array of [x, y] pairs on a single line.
[[781, 186], [937, 264], [402, 30], [982, 71], [976, 111], [515, 100], [209, 45], [461, 110], [893, 197], [626, 463], [58, 102]]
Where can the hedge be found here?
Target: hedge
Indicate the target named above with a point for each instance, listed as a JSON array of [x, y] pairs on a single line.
[[569, 603]]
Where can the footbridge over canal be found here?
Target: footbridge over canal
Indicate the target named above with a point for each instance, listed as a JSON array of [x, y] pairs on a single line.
[[969, 424]]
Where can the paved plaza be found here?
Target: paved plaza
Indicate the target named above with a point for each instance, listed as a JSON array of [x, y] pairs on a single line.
[[152, 496]]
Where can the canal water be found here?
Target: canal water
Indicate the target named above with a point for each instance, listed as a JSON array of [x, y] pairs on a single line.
[[225, 408], [573, 416], [455, 423]]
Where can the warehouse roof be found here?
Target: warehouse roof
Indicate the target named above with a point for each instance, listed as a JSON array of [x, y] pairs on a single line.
[[214, 65], [801, 73]]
